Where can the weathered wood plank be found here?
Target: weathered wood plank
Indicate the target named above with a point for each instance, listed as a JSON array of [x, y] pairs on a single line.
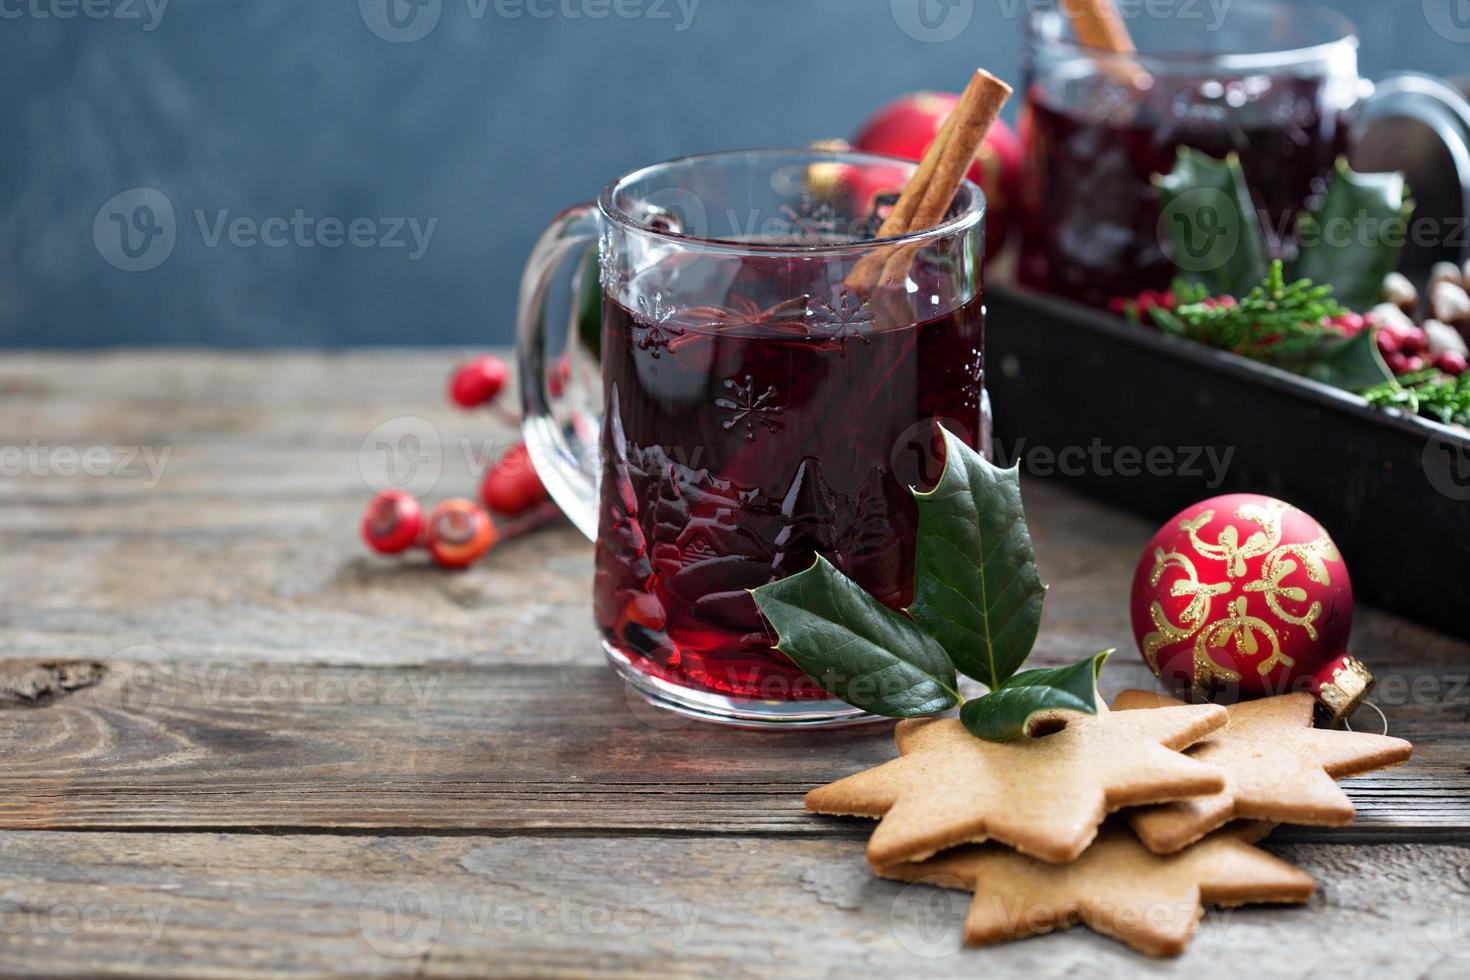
[[245, 550], [499, 748], [242, 905]]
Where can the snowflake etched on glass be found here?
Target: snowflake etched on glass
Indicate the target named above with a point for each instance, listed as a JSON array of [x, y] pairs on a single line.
[[744, 407]]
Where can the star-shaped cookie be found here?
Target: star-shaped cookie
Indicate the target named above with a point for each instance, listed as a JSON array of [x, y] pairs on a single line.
[[1044, 796], [1277, 767], [1117, 887]]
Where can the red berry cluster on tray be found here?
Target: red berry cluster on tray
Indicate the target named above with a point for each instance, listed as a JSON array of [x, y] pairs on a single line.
[[1417, 335], [459, 532]]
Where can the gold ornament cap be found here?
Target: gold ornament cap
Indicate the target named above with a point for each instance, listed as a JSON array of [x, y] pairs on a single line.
[[1341, 688]]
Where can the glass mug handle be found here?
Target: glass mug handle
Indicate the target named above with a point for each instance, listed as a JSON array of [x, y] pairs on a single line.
[[560, 377], [1426, 100]]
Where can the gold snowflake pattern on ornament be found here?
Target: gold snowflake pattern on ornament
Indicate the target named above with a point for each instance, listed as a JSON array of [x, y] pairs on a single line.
[[1247, 635], [1195, 617]]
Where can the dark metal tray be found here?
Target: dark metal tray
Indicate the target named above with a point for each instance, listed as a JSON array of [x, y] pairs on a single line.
[[1393, 490]]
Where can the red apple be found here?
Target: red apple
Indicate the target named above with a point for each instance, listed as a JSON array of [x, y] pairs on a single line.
[[907, 127]]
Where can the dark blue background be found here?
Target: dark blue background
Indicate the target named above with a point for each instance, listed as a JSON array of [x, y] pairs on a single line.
[[490, 125]]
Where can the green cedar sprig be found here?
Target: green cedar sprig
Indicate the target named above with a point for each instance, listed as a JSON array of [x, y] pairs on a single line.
[[1427, 393], [1276, 321]]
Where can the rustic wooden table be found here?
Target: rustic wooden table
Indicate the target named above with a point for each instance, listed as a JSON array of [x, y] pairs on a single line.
[[232, 743]]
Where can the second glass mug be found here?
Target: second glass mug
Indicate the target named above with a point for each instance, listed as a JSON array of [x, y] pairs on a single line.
[[725, 401], [1275, 82]]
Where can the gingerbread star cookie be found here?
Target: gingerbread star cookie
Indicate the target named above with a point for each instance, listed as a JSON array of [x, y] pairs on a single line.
[[1044, 796], [1117, 887], [1277, 767]]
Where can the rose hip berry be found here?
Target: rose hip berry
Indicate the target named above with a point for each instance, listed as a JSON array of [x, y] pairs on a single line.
[[392, 522], [512, 486], [478, 382], [460, 533], [1451, 362]]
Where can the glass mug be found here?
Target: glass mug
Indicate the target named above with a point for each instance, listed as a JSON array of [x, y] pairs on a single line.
[[720, 406], [1275, 82]]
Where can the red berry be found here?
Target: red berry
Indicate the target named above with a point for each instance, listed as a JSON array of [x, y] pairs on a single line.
[[392, 522], [460, 533], [1451, 362], [1413, 341], [556, 380], [1398, 363], [512, 486], [1388, 341], [478, 382]]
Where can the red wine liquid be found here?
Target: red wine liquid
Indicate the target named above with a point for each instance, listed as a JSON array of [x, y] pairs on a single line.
[[743, 440], [1090, 230]]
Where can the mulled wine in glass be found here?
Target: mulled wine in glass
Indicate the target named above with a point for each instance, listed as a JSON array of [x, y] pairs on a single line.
[[753, 408]]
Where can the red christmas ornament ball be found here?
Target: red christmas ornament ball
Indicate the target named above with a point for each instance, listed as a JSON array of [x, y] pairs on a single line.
[[1243, 597]]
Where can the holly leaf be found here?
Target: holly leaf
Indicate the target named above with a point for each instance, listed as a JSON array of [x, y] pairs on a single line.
[[977, 589], [1352, 364], [1004, 715], [1208, 224], [1355, 236], [858, 649]]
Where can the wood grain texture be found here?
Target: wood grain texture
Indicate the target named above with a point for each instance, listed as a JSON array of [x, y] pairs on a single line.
[[281, 724], [496, 748], [204, 904]]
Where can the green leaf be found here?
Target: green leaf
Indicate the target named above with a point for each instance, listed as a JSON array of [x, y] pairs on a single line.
[[1208, 224], [1003, 715], [587, 287], [977, 589], [1352, 364], [1355, 236], [858, 649]]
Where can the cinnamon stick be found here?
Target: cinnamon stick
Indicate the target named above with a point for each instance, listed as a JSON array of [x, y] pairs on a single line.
[[1099, 25], [932, 188]]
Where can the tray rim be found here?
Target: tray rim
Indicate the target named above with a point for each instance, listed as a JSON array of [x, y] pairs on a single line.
[[1303, 389]]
